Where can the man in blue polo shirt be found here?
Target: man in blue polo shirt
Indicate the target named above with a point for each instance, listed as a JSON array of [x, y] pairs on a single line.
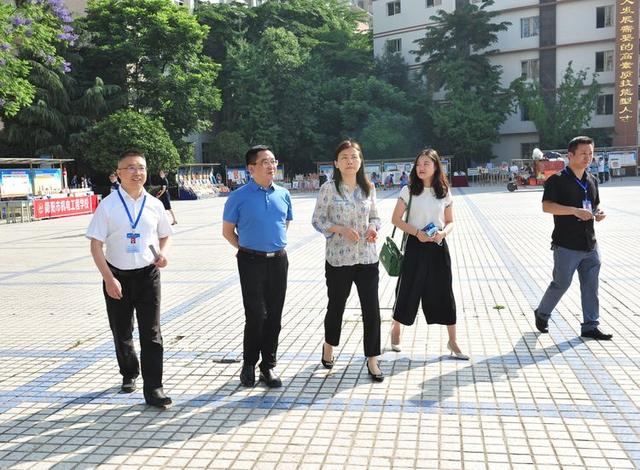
[[255, 221]]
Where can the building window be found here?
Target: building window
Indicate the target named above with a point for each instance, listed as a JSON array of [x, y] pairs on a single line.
[[526, 149], [604, 61], [605, 105], [433, 3], [524, 113], [530, 69], [604, 16], [393, 45], [529, 27], [393, 8]]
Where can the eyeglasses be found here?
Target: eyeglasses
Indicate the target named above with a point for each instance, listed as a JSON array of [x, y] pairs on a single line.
[[267, 163], [133, 168]]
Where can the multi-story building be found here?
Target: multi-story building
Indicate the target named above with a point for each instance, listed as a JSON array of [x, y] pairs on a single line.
[[544, 36]]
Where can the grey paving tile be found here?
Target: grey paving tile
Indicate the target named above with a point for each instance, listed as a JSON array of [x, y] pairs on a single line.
[[524, 401]]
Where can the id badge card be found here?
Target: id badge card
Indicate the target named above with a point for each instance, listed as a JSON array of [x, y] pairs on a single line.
[[586, 204], [133, 242]]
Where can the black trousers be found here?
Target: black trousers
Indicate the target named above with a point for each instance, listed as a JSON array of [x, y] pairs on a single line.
[[264, 286], [339, 281], [425, 276], [140, 292]]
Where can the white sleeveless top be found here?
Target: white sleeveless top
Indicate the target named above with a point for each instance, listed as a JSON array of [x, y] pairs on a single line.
[[426, 208]]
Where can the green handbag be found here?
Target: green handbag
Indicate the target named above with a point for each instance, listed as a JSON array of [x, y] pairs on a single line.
[[390, 255]]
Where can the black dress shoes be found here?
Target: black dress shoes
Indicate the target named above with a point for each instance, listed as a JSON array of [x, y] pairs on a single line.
[[270, 378], [597, 334], [157, 398], [248, 375], [128, 385], [379, 377], [325, 363], [542, 325]]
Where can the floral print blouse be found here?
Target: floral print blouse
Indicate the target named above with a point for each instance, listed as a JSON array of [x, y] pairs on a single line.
[[349, 209]]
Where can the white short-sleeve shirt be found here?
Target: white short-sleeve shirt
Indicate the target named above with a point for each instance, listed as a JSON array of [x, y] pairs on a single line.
[[110, 225], [426, 208]]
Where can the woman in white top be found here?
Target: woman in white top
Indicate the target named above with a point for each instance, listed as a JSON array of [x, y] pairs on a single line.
[[426, 267], [346, 215]]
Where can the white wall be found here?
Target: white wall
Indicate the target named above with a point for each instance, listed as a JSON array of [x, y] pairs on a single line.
[[511, 40], [412, 22], [510, 146], [505, 4], [583, 57], [577, 22]]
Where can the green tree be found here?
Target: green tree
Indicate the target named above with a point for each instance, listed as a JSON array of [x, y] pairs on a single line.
[[456, 63], [251, 108], [152, 50], [227, 25], [297, 75], [563, 113], [30, 34], [60, 110], [127, 129], [393, 69], [388, 135], [229, 147]]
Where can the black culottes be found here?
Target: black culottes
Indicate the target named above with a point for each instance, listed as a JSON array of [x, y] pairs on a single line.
[[425, 276], [166, 200]]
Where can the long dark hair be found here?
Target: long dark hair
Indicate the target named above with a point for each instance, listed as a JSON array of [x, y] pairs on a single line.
[[361, 178], [439, 183]]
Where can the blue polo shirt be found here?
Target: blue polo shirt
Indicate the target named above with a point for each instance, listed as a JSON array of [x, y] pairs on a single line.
[[260, 216]]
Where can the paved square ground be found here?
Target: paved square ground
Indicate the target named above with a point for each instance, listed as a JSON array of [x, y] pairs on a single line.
[[524, 401]]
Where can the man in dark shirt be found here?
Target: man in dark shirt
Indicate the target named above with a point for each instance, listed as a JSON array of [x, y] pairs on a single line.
[[572, 197]]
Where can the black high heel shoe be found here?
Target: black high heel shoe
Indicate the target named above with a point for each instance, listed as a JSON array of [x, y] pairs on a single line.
[[327, 364], [375, 377]]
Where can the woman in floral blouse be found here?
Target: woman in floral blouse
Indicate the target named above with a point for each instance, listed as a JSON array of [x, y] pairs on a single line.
[[346, 215]]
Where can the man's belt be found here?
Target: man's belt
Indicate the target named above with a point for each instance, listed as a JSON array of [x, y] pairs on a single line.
[[131, 272], [263, 254]]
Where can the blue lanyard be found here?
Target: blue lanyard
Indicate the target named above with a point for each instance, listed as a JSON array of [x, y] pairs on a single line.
[[583, 186], [133, 224]]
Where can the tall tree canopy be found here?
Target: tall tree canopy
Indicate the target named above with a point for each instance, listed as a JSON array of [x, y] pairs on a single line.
[[471, 103], [128, 129], [31, 33], [61, 110], [299, 76], [152, 50]]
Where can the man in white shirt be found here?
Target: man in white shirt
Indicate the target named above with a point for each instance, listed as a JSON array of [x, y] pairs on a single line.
[[133, 228]]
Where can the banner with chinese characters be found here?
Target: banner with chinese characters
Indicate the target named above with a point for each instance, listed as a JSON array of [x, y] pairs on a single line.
[[64, 207], [626, 94], [15, 183], [47, 180]]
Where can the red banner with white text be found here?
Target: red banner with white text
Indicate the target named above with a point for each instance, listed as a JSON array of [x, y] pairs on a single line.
[[64, 207]]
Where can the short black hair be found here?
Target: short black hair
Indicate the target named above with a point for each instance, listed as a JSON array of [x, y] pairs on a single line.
[[252, 154], [581, 139], [130, 153]]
